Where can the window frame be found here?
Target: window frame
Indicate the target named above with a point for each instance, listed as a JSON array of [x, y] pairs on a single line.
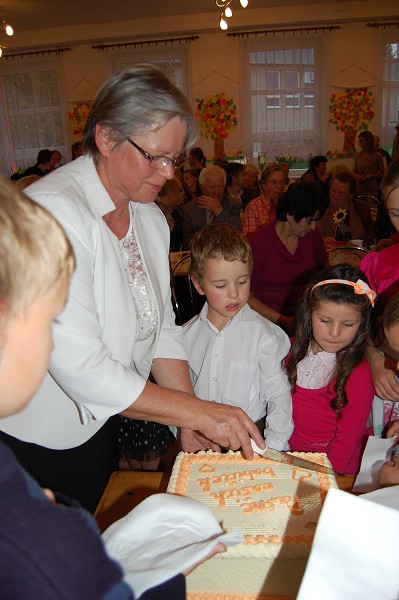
[[272, 142]]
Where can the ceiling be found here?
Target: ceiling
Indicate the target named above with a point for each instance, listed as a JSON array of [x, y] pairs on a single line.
[[39, 14]]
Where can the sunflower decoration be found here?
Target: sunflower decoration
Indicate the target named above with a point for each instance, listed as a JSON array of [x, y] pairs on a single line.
[[340, 215]]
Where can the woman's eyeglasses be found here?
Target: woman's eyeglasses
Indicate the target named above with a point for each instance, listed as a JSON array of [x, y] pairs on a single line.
[[159, 162]]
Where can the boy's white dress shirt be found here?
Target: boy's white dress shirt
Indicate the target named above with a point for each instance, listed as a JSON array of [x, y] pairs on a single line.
[[241, 365]]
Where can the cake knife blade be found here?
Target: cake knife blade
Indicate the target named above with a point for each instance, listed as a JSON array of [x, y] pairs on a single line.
[[296, 461]]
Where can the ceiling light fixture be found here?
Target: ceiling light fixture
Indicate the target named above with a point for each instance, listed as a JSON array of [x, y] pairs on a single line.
[[7, 28], [227, 12], [9, 31]]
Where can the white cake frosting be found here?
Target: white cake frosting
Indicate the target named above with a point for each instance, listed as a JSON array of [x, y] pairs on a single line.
[[275, 505]]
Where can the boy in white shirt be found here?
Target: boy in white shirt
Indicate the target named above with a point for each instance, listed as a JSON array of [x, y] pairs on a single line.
[[234, 354]]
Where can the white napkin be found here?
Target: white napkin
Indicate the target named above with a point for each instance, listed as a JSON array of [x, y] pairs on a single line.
[[377, 451], [161, 537], [388, 496], [354, 553]]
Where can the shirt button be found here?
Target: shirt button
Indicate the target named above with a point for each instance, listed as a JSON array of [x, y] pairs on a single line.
[[214, 378], [216, 355]]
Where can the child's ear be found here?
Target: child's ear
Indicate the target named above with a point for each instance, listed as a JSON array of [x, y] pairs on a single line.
[[197, 286]]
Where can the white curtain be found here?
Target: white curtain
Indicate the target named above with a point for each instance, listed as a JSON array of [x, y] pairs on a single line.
[[281, 99], [32, 115]]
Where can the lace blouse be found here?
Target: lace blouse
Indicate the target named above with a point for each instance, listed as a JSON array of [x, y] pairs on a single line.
[[315, 370], [146, 312]]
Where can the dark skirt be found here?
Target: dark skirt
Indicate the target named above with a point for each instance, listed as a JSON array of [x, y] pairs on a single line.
[[142, 440], [80, 473]]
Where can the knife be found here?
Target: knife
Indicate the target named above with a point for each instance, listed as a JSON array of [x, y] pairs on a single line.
[[296, 461]]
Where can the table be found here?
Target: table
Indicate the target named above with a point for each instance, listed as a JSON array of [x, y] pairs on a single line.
[[126, 489]]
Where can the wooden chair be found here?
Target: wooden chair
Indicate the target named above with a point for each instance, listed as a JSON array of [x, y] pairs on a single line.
[[185, 298], [373, 201], [346, 254]]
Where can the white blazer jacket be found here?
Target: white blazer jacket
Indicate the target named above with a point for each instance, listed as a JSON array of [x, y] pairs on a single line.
[[97, 368]]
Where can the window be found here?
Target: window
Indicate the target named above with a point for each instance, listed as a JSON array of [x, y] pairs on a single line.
[[282, 82], [32, 117], [390, 90], [171, 59]]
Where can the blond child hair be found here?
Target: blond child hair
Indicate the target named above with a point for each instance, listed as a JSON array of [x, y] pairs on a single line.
[[218, 240], [35, 253]]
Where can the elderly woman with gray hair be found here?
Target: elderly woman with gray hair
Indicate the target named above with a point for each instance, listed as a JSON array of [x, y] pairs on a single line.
[[118, 327]]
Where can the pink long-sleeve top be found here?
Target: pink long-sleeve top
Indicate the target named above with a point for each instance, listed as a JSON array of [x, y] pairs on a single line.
[[317, 427]]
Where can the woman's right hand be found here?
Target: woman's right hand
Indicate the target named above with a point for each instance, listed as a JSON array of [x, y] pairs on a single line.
[[228, 426]]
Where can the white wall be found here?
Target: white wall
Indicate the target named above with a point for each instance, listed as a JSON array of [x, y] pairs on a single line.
[[351, 54]]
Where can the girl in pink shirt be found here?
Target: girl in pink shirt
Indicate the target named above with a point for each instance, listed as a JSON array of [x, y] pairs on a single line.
[[332, 389]]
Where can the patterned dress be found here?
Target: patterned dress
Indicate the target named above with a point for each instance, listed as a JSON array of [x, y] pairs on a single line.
[[140, 440]]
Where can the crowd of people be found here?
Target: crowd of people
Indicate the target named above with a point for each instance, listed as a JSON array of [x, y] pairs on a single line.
[[286, 350]]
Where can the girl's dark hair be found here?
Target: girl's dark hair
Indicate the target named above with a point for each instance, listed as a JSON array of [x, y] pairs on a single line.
[[302, 200], [347, 358]]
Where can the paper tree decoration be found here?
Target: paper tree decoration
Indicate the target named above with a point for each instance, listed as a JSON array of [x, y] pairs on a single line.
[[217, 117], [351, 112], [78, 117]]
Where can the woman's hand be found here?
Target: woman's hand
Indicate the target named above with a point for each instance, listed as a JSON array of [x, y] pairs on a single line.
[[229, 426], [389, 473]]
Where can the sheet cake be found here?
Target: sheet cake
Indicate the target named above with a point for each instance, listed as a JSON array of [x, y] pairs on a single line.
[[276, 505]]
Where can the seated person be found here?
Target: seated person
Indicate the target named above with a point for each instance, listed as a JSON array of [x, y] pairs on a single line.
[[213, 206], [189, 179], [234, 180], [234, 354], [170, 199], [262, 210], [55, 159], [42, 165], [251, 188], [286, 253], [53, 547], [77, 149], [346, 218], [197, 159], [317, 169]]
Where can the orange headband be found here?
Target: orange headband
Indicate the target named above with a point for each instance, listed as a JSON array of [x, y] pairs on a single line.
[[360, 287]]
